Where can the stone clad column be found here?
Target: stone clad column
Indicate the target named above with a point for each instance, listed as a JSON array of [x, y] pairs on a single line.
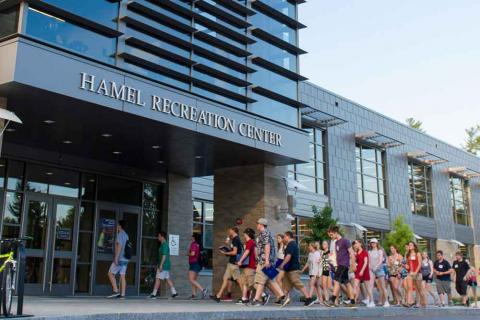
[[247, 193], [178, 220]]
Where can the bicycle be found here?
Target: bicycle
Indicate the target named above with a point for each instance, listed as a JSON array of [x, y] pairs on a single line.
[[8, 270]]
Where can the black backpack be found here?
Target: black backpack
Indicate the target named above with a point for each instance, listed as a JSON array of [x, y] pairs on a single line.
[[127, 252]]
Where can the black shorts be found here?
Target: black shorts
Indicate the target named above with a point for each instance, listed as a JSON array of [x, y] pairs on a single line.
[[427, 279], [341, 275], [461, 287], [326, 273]]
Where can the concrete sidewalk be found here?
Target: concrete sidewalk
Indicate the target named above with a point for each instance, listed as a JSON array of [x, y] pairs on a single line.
[[91, 308]]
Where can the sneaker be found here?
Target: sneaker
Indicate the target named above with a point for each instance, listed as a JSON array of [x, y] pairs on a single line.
[[174, 295], [386, 304], [265, 298], [215, 298], [370, 304], [278, 302], [350, 305], [256, 303], [330, 304], [204, 293], [242, 302], [121, 297], [114, 295], [286, 301], [152, 296], [192, 297], [309, 302], [365, 302]]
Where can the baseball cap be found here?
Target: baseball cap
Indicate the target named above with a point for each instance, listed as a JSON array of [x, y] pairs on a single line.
[[262, 221], [373, 240]]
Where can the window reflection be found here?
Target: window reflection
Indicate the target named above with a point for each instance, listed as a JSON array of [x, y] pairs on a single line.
[[274, 110], [459, 190], [59, 32], [370, 176], [52, 181]]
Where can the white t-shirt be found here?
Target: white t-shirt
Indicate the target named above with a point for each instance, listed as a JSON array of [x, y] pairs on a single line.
[[314, 260]]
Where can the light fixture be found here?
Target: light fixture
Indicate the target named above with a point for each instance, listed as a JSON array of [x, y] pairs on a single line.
[[117, 152], [49, 173], [160, 161], [198, 157], [48, 121], [155, 147], [67, 141], [106, 135], [67, 183], [91, 180], [10, 129]]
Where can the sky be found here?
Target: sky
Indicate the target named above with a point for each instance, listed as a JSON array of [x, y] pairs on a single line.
[[408, 58]]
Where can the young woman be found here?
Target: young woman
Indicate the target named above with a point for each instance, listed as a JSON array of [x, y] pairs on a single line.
[[377, 272], [362, 274], [394, 265], [313, 266], [472, 283], [414, 278], [427, 276], [325, 268], [280, 256], [195, 267]]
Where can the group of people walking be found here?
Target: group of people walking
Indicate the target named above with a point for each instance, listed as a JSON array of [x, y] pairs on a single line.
[[340, 272]]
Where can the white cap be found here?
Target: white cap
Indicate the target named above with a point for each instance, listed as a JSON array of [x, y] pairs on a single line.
[[373, 240]]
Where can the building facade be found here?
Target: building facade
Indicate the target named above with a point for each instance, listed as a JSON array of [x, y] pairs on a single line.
[[135, 110]]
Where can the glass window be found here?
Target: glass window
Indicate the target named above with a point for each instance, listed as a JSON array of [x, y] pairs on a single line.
[[274, 110], [275, 82], [88, 186], [217, 97], [219, 36], [313, 174], [203, 214], [284, 6], [370, 176], [219, 51], [104, 12], [118, 190], [420, 196], [59, 32], [8, 21], [15, 173], [156, 76], [301, 231], [3, 168], [156, 42], [274, 27], [274, 54], [219, 20], [157, 60], [12, 215], [52, 180], [459, 189]]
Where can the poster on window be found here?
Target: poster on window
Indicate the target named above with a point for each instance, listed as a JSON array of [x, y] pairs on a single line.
[[106, 236]]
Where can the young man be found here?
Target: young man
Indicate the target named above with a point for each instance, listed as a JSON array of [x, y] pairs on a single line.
[[461, 270], [443, 270], [119, 264], [232, 272], [291, 266], [247, 270], [163, 269], [345, 261], [265, 259]]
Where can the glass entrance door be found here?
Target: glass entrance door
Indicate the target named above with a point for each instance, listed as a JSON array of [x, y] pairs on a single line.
[[50, 222], [108, 216]]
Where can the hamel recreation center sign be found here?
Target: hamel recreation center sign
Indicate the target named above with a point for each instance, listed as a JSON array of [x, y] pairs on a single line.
[[128, 94]]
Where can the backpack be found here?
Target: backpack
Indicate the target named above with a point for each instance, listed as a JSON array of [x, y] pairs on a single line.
[[127, 252]]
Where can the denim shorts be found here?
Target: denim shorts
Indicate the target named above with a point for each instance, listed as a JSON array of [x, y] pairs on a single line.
[[195, 267], [120, 268]]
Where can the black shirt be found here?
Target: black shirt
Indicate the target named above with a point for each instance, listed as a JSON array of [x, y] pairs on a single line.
[[236, 243], [443, 266], [461, 268], [294, 252]]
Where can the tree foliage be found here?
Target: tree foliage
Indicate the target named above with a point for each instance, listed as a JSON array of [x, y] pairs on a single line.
[[319, 224], [472, 141], [400, 235], [415, 124]]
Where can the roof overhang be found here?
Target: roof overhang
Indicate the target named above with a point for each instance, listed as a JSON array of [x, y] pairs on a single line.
[[463, 172], [319, 118], [377, 139], [425, 157]]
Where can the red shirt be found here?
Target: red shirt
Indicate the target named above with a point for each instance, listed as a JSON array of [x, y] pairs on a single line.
[[250, 245], [195, 248], [413, 263], [360, 263]]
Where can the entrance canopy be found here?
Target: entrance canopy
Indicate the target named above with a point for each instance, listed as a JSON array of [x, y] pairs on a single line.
[[74, 107]]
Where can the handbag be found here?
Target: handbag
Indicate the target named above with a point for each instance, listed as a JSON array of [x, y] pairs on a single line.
[[271, 272]]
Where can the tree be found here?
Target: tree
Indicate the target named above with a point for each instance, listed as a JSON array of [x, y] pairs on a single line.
[[472, 142], [400, 235], [415, 124], [319, 224]]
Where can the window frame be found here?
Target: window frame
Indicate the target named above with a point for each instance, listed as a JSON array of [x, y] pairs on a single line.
[[380, 179], [426, 179], [465, 201]]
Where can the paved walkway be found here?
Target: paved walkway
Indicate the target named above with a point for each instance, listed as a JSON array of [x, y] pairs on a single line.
[[90, 308]]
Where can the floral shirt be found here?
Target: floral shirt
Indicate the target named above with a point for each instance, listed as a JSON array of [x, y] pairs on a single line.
[[264, 238]]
